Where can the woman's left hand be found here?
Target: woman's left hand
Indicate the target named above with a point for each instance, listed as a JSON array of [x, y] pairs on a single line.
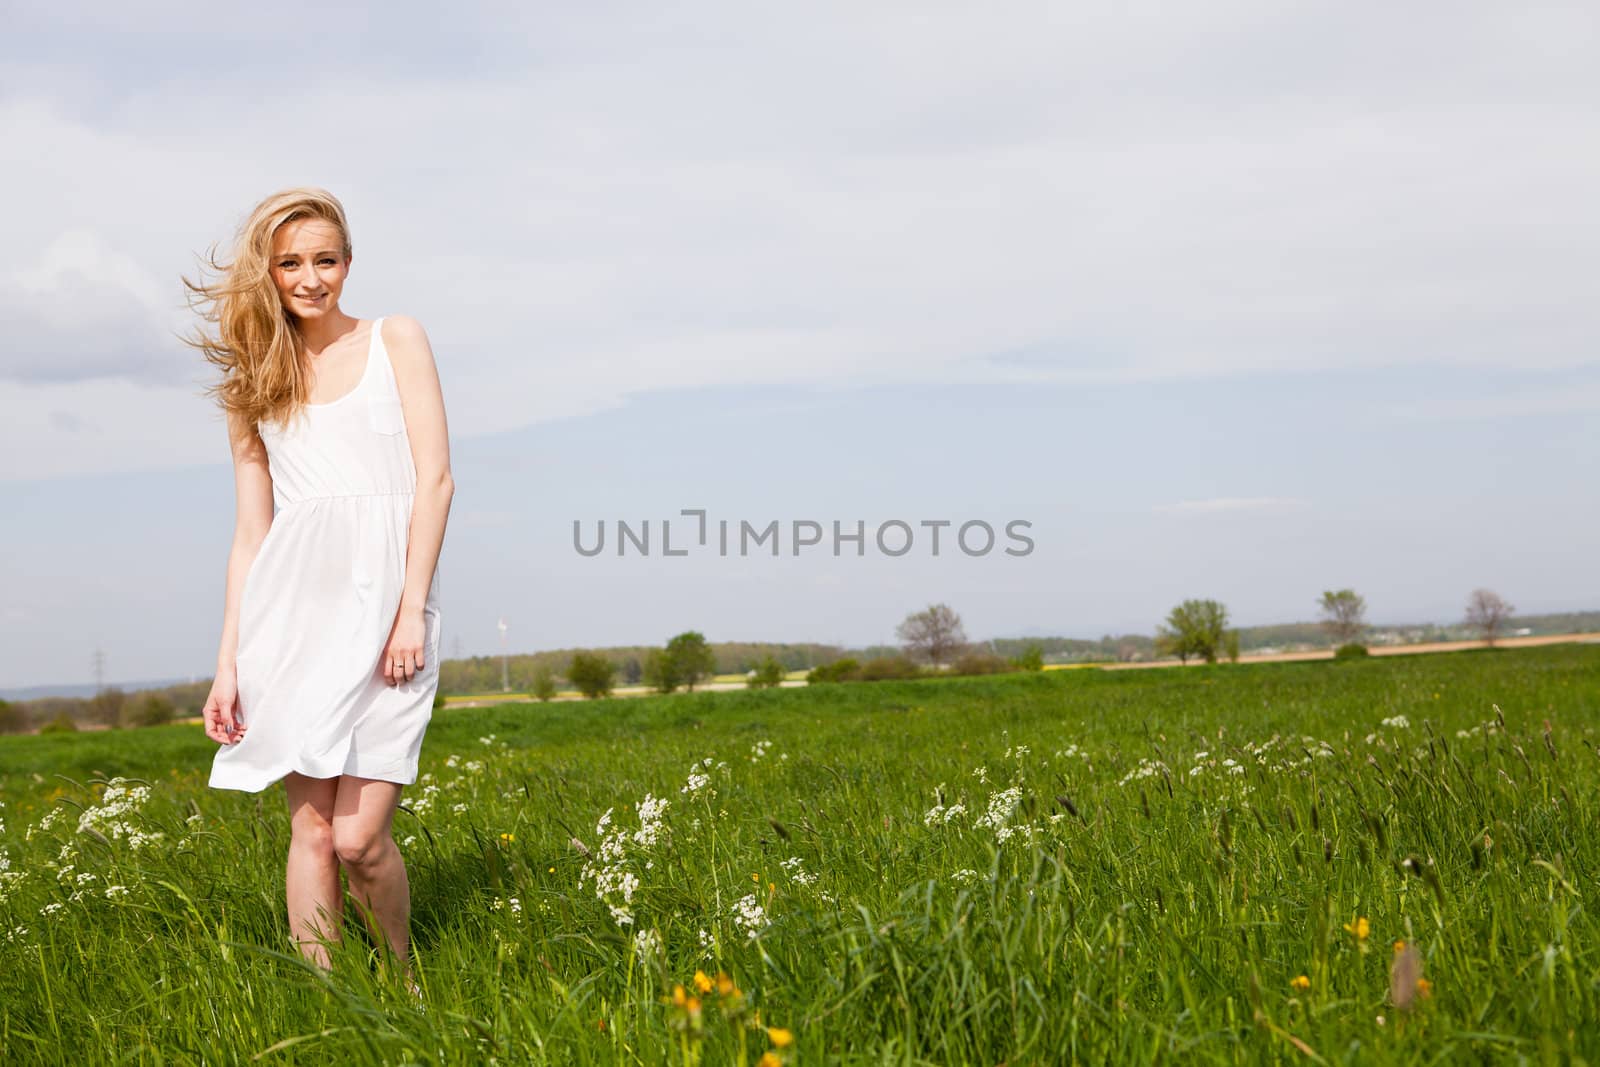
[[403, 655]]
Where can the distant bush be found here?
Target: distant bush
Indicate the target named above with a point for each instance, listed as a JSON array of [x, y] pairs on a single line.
[[13, 718], [1351, 650], [438, 700], [592, 674], [768, 674], [152, 709], [888, 668], [660, 673], [544, 682], [61, 724], [108, 706], [840, 670], [1031, 660], [982, 663]]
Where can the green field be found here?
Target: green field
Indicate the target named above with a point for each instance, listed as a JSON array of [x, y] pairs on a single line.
[[1067, 867]]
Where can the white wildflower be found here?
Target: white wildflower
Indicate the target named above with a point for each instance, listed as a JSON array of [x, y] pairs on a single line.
[[1001, 807], [749, 915], [797, 873], [1147, 768], [647, 942]]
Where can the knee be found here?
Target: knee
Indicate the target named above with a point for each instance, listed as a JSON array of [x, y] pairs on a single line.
[[310, 832], [357, 846]]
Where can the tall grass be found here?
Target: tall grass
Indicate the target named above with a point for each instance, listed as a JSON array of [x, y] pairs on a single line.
[[1202, 865]]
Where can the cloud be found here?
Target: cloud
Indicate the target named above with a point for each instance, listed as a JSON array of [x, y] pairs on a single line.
[[580, 208]]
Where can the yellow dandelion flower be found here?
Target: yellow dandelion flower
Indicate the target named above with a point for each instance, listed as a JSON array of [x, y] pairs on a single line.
[[725, 985], [508, 837], [1399, 947], [1300, 982], [702, 983], [754, 877], [1424, 988], [1360, 928], [679, 996], [780, 1037], [552, 870], [769, 1059]]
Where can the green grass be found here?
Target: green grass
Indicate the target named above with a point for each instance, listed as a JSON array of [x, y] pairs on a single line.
[[1160, 918]]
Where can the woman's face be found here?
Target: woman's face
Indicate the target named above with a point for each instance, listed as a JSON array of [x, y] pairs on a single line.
[[309, 267]]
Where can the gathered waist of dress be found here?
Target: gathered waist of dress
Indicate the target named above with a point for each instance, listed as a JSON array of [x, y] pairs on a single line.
[[349, 496]]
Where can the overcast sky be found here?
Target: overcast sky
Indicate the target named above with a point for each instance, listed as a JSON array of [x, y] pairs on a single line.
[[1234, 300]]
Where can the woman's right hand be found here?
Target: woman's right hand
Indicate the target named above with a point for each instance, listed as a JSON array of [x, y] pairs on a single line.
[[224, 721]]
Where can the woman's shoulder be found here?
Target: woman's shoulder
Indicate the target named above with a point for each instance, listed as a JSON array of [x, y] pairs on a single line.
[[406, 342], [401, 327]]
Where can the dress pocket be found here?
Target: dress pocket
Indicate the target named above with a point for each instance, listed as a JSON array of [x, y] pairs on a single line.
[[385, 416]]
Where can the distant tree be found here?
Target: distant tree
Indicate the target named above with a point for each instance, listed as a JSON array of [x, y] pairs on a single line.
[[632, 671], [768, 674], [1230, 645], [847, 669], [1344, 615], [1488, 614], [659, 673], [691, 658], [63, 723], [544, 682], [1127, 652], [152, 709], [935, 634], [13, 718], [1194, 628], [592, 674], [106, 706], [1031, 659]]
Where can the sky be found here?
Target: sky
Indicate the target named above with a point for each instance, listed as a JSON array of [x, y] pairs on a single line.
[[1234, 300]]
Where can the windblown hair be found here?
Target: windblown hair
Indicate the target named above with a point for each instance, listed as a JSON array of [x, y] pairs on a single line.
[[258, 343]]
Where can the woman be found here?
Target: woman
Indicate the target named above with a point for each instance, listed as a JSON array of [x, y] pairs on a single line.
[[329, 659]]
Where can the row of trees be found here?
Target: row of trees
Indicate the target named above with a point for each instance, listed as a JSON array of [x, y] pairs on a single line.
[[934, 637], [686, 661], [1344, 614], [112, 707], [1199, 628]]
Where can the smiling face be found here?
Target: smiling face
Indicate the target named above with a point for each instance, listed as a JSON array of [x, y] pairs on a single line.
[[309, 267]]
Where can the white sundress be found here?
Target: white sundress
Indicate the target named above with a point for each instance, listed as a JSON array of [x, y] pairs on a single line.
[[321, 597]]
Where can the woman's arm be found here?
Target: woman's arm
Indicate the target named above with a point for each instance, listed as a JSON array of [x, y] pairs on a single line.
[[422, 403], [252, 482]]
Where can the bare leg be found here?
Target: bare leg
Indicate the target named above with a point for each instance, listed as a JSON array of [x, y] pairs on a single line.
[[311, 879], [363, 839]]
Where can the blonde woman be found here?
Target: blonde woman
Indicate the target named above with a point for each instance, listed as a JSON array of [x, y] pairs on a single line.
[[329, 659]]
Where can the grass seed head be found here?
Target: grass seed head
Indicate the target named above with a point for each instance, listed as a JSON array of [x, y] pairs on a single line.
[[1405, 978]]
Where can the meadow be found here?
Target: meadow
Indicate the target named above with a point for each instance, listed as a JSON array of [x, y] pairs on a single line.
[[1377, 861]]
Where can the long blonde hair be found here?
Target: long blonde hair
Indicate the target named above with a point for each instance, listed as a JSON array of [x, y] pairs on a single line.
[[258, 343]]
